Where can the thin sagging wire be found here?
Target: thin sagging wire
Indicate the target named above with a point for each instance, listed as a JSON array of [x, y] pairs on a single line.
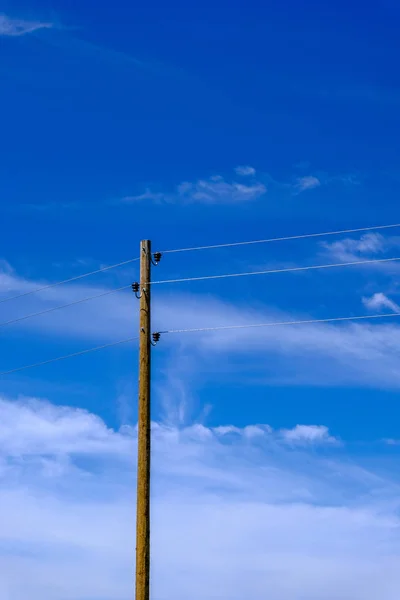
[[214, 246], [51, 285], [271, 271], [283, 239], [54, 308], [196, 330], [280, 323], [80, 353]]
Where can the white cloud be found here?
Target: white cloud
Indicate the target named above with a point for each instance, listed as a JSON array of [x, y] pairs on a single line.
[[256, 514], [300, 434], [379, 301], [217, 190], [363, 353], [245, 170], [366, 354], [371, 243], [214, 190], [308, 182], [221, 190], [146, 196], [18, 27], [322, 354], [308, 434], [10, 282], [33, 427], [391, 442], [80, 321], [368, 245]]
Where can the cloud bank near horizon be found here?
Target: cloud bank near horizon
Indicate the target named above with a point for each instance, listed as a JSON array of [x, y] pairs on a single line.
[[238, 510]]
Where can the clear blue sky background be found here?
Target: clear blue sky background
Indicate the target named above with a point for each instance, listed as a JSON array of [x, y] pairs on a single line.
[[194, 125]]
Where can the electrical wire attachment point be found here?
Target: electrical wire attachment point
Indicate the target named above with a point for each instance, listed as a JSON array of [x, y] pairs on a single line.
[[135, 289], [156, 258], [156, 338]]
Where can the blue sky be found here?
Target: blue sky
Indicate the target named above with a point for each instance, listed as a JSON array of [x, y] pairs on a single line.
[[275, 450]]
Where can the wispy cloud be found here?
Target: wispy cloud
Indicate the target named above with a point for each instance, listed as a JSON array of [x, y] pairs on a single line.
[[247, 185], [217, 190], [308, 182], [300, 434], [301, 520], [380, 301], [146, 196], [17, 27], [214, 190], [368, 245], [245, 171], [345, 353], [34, 427], [308, 434], [346, 179], [391, 442], [366, 354], [69, 322]]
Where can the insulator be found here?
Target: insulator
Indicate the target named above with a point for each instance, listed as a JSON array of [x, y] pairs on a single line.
[[157, 257]]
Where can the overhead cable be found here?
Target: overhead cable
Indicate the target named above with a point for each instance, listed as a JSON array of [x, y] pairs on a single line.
[[51, 285], [201, 329], [54, 308], [282, 239], [279, 323], [286, 270], [80, 353]]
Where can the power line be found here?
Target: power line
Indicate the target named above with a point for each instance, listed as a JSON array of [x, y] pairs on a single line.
[[214, 246], [270, 271], [282, 239], [280, 323], [51, 285], [51, 360], [54, 308]]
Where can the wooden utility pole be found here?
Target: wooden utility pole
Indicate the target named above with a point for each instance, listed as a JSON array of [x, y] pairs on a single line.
[[144, 427]]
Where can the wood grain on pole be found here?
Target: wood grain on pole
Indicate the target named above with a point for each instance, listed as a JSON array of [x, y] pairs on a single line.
[[144, 431]]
